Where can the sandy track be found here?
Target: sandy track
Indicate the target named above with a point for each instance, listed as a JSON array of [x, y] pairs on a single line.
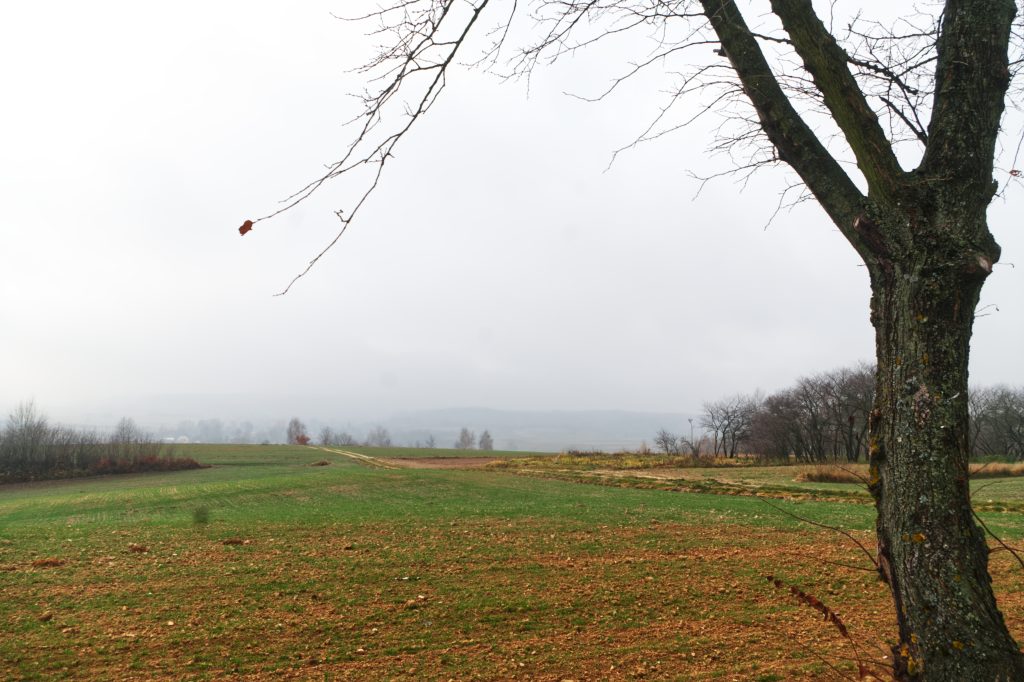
[[415, 462], [440, 462]]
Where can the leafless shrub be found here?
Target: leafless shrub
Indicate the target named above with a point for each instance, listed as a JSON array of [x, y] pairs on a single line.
[[32, 449], [379, 437], [830, 473], [466, 440]]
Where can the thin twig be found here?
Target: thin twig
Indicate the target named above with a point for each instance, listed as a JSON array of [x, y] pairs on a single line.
[[1011, 550], [848, 535]]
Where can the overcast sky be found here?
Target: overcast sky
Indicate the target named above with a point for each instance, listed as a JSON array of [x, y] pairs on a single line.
[[499, 265]]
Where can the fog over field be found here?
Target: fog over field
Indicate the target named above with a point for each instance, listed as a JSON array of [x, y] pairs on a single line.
[[501, 265]]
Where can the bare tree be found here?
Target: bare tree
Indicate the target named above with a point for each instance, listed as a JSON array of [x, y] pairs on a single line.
[[430, 443], [742, 411], [486, 442], [326, 437], [999, 422], [728, 420], [713, 421], [775, 430], [667, 442], [811, 395], [296, 433], [823, 417], [979, 404], [379, 438], [931, 90], [344, 438], [855, 396], [126, 440], [126, 431], [1009, 408], [466, 440], [26, 438], [695, 446]]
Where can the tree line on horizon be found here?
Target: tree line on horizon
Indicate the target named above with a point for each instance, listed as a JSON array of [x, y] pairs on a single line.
[[824, 417], [379, 437]]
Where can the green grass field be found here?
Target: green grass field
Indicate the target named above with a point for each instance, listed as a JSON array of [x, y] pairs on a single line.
[[266, 566]]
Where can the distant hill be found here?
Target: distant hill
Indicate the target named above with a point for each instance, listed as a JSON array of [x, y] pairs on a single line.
[[539, 430], [222, 419]]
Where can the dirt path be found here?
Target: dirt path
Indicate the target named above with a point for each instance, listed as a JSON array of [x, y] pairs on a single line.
[[362, 459], [441, 462], [415, 462]]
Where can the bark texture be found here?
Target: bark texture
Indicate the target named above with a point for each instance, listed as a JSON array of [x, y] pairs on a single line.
[[924, 238], [930, 550]]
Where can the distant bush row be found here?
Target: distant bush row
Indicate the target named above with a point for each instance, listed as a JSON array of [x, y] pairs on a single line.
[[33, 449], [824, 418]]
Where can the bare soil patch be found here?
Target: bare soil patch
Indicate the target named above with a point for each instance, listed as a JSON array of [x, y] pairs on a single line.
[[519, 600]]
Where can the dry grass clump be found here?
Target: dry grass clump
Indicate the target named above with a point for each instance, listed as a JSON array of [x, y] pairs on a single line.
[[858, 473], [832, 473], [625, 460], [996, 469]]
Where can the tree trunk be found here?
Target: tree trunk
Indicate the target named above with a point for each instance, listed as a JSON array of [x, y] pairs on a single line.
[[851, 451], [930, 550], [924, 238]]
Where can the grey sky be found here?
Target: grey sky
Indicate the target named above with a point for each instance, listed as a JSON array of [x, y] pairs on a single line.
[[499, 265]]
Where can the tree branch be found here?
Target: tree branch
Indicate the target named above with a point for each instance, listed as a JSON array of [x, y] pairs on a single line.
[[796, 143], [826, 62], [971, 79], [415, 53]]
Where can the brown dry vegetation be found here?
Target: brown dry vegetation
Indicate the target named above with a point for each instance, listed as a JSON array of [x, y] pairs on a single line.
[[996, 469], [858, 473], [832, 473], [479, 600]]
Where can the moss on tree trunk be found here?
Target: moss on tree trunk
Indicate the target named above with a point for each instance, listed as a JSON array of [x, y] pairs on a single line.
[[931, 551]]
